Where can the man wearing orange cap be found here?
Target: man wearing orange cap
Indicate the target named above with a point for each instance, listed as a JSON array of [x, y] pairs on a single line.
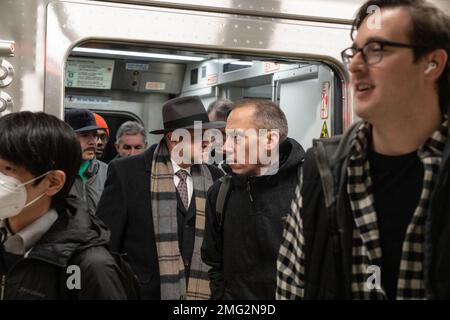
[[102, 135]]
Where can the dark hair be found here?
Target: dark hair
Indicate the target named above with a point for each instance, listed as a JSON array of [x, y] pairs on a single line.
[[40, 142], [430, 30], [221, 108], [267, 115]]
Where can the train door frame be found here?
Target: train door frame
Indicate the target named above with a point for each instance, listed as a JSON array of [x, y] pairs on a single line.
[[70, 23]]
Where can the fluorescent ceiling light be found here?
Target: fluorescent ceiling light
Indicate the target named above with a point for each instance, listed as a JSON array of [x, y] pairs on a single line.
[[242, 63], [137, 54]]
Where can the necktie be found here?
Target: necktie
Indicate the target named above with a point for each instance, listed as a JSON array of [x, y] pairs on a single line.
[[182, 187]]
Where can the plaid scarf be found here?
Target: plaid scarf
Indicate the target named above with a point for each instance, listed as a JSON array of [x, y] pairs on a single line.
[[164, 209], [366, 239]]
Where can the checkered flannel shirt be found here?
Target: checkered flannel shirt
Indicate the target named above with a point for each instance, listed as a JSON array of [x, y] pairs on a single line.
[[366, 240]]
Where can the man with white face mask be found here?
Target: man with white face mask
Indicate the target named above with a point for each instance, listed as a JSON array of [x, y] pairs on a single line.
[[50, 247], [13, 194]]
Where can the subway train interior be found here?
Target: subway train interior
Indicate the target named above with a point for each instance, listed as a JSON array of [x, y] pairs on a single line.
[[124, 59], [300, 225]]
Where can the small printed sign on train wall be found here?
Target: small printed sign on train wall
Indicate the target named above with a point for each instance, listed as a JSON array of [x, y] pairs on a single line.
[[212, 79], [71, 100], [324, 106], [89, 73], [271, 67], [155, 85], [137, 66]]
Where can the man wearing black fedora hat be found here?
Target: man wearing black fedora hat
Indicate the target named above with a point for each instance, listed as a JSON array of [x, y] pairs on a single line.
[[91, 177], [154, 205]]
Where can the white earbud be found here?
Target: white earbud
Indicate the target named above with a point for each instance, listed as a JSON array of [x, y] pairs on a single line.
[[431, 67]]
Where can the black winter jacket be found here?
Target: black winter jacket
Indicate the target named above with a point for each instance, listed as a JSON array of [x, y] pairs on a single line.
[[75, 239], [328, 229], [243, 251]]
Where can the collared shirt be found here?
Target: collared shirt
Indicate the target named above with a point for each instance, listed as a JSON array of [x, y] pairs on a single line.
[[189, 182], [21, 242], [366, 248]]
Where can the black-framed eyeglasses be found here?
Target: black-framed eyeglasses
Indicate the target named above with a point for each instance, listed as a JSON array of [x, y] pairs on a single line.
[[103, 137], [372, 52]]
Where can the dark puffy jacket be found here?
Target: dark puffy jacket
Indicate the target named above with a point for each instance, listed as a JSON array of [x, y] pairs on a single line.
[[76, 238], [243, 252]]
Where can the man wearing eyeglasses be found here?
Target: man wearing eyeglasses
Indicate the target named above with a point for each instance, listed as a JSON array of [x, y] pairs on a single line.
[[102, 135], [371, 218]]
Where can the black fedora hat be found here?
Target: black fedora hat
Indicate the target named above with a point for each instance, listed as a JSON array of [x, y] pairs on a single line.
[[81, 120], [181, 113]]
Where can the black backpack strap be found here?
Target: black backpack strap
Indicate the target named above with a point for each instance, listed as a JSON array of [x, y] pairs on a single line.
[[323, 153], [326, 153], [324, 225], [300, 170], [222, 197], [320, 247]]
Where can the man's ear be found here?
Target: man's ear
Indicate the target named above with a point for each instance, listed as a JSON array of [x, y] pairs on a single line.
[[56, 180], [168, 138], [272, 139], [438, 59]]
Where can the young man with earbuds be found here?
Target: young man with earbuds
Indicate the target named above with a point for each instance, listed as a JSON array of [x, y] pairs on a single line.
[[371, 218], [50, 247]]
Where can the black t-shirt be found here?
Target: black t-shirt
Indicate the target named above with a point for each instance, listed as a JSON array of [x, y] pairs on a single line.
[[397, 184]]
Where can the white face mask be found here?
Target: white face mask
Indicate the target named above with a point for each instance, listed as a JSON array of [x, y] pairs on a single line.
[[13, 195]]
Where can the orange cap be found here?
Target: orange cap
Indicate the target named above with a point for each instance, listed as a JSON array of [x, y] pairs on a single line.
[[101, 123]]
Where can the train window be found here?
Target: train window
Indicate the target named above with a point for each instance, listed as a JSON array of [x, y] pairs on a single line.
[[112, 78], [203, 72], [236, 65], [194, 76]]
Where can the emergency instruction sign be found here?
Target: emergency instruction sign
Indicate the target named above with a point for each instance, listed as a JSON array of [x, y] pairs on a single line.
[[89, 73], [325, 105], [212, 79], [324, 131]]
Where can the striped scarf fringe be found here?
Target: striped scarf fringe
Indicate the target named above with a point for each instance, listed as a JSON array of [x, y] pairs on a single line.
[[164, 209]]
